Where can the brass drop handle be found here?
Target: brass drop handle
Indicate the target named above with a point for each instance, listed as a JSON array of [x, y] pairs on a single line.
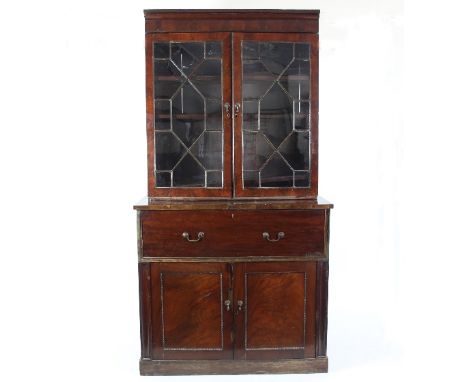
[[279, 236], [227, 304], [237, 107], [227, 109], [240, 304], [200, 236]]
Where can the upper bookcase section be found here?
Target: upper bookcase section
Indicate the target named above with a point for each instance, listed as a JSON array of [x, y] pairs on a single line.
[[217, 20], [232, 104]]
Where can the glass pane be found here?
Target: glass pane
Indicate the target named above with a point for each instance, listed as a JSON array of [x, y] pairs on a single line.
[[250, 115], [187, 55], [208, 150], [168, 150], [295, 149], [189, 173], [213, 49], [276, 173], [301, 115], [301, 51], [276, 114], [161, 50], [167, 79], [207, 78], [188, 120], [276, 55], [188, 115], [251, 179], [163, 179], [256, 149], [296, 80], [214, 115], [162, 114], [214, 179], [250, 50], [256, 80], [302, 178]]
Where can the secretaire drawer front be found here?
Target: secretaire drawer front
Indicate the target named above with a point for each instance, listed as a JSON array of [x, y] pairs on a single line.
[[185, 233], [280, 233]]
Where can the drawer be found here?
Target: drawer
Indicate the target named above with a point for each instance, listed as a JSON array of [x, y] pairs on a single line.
[[186, 233], [224, 233], [280, 233]]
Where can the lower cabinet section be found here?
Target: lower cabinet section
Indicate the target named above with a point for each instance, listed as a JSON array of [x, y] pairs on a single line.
[[252, 311]]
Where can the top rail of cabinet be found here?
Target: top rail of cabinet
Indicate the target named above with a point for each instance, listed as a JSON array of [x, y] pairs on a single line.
[[231, 20]]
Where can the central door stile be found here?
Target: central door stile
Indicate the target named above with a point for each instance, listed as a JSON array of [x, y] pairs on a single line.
[[233, 124]]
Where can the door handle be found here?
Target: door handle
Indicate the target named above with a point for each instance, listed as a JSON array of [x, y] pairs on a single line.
[[280, 236], [200, 236]]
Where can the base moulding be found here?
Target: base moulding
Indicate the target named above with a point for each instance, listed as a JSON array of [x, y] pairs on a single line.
[[190, 367]]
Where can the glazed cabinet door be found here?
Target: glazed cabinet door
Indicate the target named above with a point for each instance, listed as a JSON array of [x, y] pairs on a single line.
[[275, 310], [188, 102], [188, 316], [275, 114]]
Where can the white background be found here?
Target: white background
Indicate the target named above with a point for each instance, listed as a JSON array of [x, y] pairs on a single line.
[[393, 160]]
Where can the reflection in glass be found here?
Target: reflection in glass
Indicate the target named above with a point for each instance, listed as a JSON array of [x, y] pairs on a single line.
[[276, 114], [188, 114]]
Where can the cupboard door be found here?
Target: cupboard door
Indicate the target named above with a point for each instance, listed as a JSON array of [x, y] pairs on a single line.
[[189, 316], [189, 133], [275, 310], [275, 126]]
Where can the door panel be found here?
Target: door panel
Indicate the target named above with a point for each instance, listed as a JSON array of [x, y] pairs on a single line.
[[276, 317], [275, 90], [189, 135], [189, 317]]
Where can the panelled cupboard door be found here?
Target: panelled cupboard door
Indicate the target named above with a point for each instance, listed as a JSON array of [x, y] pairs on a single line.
[[189, 317], [276, 107], [188, 82], [275, 310]]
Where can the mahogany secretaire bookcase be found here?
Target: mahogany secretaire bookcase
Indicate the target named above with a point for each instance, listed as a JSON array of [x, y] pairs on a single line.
[[232, 238]]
